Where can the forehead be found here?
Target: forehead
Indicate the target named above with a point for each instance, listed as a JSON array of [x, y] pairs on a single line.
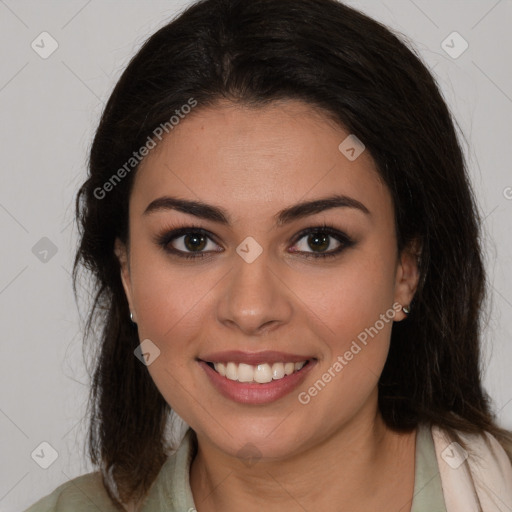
[[256, 159]]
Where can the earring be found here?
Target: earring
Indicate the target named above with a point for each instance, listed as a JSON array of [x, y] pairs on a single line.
[[131, 318], [406, 309]]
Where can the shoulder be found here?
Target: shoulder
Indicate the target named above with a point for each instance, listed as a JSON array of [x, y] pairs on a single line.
[[482, 469], [170, 490], [81, 494], [483, 449]]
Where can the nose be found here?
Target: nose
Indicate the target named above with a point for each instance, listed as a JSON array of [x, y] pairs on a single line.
[[255, 299]]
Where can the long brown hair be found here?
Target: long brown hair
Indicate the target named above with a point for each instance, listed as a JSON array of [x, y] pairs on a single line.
[[367, 79]]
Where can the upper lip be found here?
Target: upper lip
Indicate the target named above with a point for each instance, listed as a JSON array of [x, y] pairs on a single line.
[[253, 358]]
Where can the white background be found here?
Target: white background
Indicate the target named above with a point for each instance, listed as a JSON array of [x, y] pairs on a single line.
[[49, 110]]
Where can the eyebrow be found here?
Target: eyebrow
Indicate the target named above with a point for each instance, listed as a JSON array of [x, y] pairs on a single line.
[[285, 216]]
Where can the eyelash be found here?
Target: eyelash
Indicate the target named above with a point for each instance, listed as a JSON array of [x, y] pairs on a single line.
[[167, 237]]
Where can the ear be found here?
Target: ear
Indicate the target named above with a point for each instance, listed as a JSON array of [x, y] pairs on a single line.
[[121, 253], [407, 276]]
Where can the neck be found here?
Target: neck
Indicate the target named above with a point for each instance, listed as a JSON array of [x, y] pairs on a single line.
[[354, 469]]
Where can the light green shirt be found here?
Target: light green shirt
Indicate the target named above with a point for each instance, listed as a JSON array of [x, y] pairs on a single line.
[[428, 493], [171, 490]]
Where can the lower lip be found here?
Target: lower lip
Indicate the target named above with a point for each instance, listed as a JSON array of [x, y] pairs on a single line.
[[252, 392]]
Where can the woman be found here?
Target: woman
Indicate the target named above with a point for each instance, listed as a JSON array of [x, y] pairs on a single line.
[[285, 244]]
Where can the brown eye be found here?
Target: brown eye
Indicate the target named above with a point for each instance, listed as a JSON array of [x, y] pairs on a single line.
[[194, 242], [319, 242], [322, 241], [188, 243]]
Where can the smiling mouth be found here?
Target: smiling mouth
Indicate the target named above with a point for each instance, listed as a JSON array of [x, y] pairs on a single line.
[[260, 373]]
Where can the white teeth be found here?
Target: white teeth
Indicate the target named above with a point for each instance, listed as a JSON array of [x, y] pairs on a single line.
[[277, 371], [231, 371], [261, 373], [245, 373], [289, 368], [221, 368]]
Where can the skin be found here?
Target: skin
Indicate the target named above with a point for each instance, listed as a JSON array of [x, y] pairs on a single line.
[[335, 453]]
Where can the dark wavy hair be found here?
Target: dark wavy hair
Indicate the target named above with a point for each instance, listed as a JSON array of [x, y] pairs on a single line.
[[366, 78]]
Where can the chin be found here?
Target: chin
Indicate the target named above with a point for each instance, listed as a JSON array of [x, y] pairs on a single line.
[[271, 438]]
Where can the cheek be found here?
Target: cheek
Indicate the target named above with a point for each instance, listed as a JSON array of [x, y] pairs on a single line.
[[167, 298], [170, 304], [352, 311], [352, 296], [353, 316]]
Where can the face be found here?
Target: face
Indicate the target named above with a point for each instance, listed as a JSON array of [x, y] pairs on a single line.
[[240, 289]]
